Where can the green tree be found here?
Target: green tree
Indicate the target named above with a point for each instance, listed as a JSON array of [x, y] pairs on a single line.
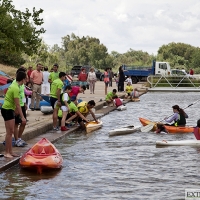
[[86, 51], [18, 33]]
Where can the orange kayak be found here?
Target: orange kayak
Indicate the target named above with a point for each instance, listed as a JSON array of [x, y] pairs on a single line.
[[170, 129], [43, 155]]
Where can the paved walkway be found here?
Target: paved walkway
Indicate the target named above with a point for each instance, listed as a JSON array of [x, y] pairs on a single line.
[[40, 125]]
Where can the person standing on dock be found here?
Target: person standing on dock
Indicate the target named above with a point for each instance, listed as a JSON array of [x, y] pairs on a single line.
[[45, 84], [55, 74], [36, 80], [106, 80], [56, 88], [121, 80], [10, 107]]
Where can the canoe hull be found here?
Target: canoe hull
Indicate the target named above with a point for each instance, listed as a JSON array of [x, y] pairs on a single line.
[[92, 126], [170, 129], [43, 155], [46, 109], [178, 143], [135, 100], [122, 131], [122, 107]]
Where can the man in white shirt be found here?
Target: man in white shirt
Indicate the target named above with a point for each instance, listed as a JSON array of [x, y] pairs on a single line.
[[45, 84]]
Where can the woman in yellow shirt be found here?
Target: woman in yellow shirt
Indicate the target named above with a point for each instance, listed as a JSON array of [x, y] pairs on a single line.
[[129, 90]]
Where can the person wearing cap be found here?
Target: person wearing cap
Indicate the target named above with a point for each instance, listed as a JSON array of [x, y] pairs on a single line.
[[179, 117], [55, 100], [55, 74], [85, 108]]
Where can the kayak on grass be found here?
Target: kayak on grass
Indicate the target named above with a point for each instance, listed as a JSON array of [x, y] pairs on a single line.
[[170, 129]]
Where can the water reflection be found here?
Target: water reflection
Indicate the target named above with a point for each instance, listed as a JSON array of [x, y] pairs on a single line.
[[121, 167]]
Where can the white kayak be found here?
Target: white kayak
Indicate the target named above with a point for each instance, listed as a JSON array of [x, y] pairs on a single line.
[[46, 109], [123, 131], [122, 107], [178, 143]]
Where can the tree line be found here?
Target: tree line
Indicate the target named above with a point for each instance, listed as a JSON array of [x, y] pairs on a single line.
[[21, 44]]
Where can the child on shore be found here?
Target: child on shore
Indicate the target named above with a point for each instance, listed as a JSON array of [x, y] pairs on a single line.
[[117, 101], [109, 97], [65, 101], [28, 93]]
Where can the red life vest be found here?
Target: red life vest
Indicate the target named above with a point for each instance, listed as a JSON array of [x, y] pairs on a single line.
[[118, 102]]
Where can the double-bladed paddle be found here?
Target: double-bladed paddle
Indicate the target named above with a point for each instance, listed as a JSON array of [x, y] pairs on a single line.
[[150, 126]]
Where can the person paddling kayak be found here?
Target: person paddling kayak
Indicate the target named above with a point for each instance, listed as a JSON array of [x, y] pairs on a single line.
[[179, 117]]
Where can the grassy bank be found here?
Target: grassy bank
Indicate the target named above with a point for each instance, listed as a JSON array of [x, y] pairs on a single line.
[[8, 70]]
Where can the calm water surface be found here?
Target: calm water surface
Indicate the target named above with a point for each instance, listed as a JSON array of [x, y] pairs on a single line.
[[124, 167]]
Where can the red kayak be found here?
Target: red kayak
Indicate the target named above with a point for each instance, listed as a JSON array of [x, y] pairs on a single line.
[[3, 80], [43, 155], [170, 129]]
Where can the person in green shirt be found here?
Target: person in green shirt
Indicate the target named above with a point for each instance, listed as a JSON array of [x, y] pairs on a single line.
[[19, 126], [109, 97], [55, 100], [73, 112], [54, 75], [10, 107]]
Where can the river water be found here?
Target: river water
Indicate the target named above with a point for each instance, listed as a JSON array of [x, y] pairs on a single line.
[[123, 167]]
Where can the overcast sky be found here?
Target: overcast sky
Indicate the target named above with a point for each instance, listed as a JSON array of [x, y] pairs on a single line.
[[120, 24]]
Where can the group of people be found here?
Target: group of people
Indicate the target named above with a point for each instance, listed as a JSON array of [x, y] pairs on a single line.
[[26, 86], [89, 78]]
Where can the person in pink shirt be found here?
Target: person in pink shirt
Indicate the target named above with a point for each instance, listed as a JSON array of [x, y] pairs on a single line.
[[76, 90], [36, 79]]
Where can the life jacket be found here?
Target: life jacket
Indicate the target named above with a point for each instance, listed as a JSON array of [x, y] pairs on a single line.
[[118, 102], [180, 121], [82, 107], [62, 100]]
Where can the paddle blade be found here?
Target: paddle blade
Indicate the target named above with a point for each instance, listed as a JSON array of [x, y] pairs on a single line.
[[46, 98], [147, 128]]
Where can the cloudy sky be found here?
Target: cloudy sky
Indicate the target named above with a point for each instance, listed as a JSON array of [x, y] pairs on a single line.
[[120, 24]]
